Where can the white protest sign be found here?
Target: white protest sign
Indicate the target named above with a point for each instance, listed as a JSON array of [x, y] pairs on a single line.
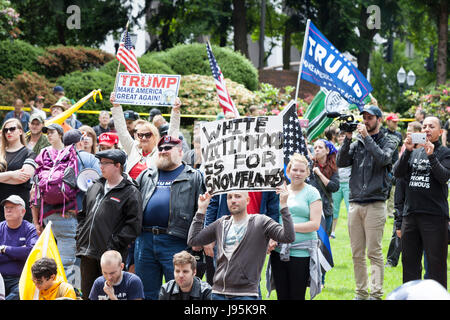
[[242, 154], [146, 89]]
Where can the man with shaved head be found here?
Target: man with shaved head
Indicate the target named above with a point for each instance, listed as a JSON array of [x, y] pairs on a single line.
[[116, 284], [241, 241], [425, 215]]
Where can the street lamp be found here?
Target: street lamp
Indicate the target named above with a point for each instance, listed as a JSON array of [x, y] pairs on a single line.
[[402, 77], [411, 78]]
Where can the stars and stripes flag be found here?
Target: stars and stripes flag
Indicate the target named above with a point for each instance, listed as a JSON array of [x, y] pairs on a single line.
[[224, 97], [294, 142], [126, 56]]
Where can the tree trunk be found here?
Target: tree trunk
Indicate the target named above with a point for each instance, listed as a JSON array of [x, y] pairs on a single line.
[[262, 34], [287, 37], [240, 27], [366, 37], [441, 65]]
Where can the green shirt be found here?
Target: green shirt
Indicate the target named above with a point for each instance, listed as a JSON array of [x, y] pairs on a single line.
[[40, 144], [299, 208]]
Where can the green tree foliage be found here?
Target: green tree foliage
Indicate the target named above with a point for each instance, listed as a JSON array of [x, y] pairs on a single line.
[[18, 56], [192, 59], [44, 22]]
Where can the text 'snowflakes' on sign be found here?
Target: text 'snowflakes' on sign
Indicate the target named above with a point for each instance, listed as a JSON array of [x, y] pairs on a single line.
[[242, 154], [147, 89]]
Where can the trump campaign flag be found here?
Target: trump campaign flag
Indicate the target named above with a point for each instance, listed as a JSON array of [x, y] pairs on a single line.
[[323, 65], [45, 247]]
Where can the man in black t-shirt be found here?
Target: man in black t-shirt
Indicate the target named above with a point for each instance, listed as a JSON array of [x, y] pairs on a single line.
[[425, 216]]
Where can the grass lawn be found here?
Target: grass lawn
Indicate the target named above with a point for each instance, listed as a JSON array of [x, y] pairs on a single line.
[[339, 281]]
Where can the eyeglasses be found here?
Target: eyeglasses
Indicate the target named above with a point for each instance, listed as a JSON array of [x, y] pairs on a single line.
[[105, 163], [38, 281], [10, 129], [165, 148], [147, 135]]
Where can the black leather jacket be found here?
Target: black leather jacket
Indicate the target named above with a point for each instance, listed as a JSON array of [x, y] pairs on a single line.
[[184, 193], [201, 290], [371, 162]]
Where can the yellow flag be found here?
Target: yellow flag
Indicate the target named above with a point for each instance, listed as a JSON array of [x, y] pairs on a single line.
[[44, 247]]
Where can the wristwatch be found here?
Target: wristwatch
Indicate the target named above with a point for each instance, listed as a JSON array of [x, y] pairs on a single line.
[[2, 249]]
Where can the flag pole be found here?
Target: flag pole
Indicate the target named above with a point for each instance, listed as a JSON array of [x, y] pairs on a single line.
[[300, 67], [118, 66]]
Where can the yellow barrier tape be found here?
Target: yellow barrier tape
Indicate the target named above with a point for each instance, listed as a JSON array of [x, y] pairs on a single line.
[[147, 114]]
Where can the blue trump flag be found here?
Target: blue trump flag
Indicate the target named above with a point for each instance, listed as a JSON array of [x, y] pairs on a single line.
[[323, 65], [294, 142]]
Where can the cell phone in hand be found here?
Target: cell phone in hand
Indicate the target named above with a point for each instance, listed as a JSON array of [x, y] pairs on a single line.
[[419, 138]]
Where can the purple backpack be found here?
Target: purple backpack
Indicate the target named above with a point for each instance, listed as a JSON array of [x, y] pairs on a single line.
[[56, 178]]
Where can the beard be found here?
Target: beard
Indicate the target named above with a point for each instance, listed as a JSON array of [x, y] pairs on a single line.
[[165, 162]]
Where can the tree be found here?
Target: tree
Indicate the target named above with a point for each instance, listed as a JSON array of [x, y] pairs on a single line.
[[46, 22]]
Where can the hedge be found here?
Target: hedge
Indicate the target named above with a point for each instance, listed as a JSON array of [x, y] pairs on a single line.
[[188, 59], [18, 56]]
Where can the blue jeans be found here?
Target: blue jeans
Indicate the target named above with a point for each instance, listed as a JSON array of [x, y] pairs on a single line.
[[341, 194], [65, 229], [153, 258], [11, 288], [215, 296]]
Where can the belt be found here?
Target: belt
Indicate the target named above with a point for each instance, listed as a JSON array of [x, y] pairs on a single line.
[[155, 230]]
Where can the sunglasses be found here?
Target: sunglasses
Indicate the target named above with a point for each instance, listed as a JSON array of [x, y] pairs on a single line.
[[146, 135], [10, 129], [165, 148]]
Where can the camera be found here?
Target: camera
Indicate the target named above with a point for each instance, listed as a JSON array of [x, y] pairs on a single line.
[[348, 123]]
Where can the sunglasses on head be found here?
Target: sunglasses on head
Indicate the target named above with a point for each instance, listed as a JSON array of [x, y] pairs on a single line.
[[165, 148], [10, 129], [147, 135]]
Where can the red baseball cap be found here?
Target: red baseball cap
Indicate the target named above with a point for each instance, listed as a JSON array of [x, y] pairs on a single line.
[[108, 139], [392, 117], [169, 140]]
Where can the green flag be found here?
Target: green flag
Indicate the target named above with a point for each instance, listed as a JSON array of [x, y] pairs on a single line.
[[324, 102]]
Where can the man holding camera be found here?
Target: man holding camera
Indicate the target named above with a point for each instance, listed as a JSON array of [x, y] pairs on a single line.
[[425, 215], [370, 158]]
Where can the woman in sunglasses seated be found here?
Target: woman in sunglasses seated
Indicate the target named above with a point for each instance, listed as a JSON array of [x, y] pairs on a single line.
[[141, 149], [19, 163]]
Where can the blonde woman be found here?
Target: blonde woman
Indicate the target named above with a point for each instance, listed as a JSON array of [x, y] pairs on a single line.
[[89, 139], [20, 165], [142, 148], [291, 268]]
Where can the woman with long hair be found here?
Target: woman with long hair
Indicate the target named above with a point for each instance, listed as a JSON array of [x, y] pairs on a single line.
[[20, 165], [89, 139], [291, 268], [325, 177]]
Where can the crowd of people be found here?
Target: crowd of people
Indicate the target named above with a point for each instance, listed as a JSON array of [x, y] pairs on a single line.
[[147, 215]]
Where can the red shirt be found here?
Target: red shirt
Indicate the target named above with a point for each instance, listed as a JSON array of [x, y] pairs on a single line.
[[138, 167], [255, 202]]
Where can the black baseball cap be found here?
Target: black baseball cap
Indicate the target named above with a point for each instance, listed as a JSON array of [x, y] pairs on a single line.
[[115, 155]]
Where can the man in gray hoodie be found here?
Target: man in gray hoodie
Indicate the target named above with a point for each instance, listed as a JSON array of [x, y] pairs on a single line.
[[241, 241]]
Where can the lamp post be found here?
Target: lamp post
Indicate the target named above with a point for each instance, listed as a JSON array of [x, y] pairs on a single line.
[[402, 77]]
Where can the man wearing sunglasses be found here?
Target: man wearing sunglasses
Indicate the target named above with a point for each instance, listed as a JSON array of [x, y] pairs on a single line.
[[169, 191]]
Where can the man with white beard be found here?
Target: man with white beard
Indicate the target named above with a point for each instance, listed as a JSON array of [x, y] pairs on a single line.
[[170, 190]]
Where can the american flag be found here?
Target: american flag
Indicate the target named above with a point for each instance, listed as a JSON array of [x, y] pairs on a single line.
[[294, 142], [125, 54], [224, 97]]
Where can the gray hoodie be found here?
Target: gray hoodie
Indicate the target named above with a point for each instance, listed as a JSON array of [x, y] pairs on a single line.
[[240, 275]]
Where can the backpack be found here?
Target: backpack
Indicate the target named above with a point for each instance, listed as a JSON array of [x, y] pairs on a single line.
[[56, 179]]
